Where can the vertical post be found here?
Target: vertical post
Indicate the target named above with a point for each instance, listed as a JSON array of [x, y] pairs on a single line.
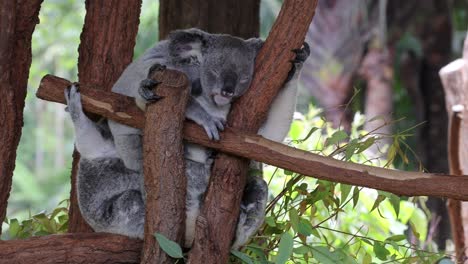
[[106, 48], [454, 78], [17, 22], [163, 165]]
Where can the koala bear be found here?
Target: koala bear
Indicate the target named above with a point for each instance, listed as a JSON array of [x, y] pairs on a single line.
[[220, 69]]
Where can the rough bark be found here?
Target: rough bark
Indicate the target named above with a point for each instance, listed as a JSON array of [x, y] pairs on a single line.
[[454, 78], [236, 17], [164, 170], [106, 48], [17, 22], [96, 248], [123, 109], [228, 177]]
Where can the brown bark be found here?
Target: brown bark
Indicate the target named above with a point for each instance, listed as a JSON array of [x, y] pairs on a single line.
[[96, 248], [228, 177], [123, 109], [106, 48], [17, 21], [454, 78], [236, 17], [164, 169]]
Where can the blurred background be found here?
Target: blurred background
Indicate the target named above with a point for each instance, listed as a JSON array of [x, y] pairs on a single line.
[[374, 67]]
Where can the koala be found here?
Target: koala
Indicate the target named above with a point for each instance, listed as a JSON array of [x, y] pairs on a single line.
[[220, 68]]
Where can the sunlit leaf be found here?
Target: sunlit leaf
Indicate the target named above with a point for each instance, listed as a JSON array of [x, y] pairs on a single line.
[[285, 248], [242, 256]]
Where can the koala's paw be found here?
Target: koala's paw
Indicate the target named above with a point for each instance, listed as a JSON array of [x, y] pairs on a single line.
[[301, 55], [73, 98], [212, 127], [146, 90]]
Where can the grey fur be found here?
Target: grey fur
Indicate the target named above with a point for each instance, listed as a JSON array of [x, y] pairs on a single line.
[[110, 180]]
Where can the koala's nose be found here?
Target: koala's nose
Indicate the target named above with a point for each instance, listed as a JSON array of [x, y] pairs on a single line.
[[230, 80]]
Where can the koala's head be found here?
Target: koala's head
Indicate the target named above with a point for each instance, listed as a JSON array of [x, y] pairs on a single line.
[[226, 63]]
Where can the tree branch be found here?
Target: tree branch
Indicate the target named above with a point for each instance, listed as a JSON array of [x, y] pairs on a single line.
[[89, 248], [123, 109]]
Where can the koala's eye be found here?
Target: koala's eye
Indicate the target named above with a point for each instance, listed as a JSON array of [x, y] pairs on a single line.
[[244, 79]]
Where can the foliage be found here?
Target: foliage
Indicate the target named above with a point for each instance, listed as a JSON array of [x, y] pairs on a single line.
[[316, 221], [41, 224]]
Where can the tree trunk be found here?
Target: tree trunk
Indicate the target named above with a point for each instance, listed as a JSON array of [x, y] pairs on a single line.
[[217, 221], [235, 17], [18, 19], [106, 48]]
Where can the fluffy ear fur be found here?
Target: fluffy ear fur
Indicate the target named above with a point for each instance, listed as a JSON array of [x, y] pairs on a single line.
[[185, 46], [255, 43]]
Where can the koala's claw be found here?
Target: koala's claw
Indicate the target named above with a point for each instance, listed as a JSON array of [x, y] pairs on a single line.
[[213, 126], [73, 98], [156, 67], [146, 90], [301, 55]]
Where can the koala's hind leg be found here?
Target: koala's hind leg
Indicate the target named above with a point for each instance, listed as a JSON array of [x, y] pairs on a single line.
[[110, 196], [198, 175], [91, 141], [252, 212]]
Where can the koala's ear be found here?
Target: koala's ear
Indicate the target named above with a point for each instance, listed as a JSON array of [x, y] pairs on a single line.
[[186, 46], [255, 43]]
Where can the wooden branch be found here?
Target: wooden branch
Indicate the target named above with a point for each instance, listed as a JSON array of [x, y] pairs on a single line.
[[17, 22], [123, 109], [164, 170], [91, 248], [106, 48], [222, 202], [454, 78]]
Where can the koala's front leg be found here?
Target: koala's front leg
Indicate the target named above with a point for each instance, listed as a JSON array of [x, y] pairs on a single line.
[[198, 114], [145, 90]]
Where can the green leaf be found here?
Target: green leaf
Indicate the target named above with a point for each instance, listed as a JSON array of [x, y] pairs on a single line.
[[294, 217], [377, 202], [269, 220], [395, 202], [170, 247], [14, 227], [242, 256], [345, 190], [285, 248], [301, 250], [324, 256], [355, 196], [367, 259], [336, 137], [396, 238], [287, 172], [366, 144], [305, 227], [380, 251]]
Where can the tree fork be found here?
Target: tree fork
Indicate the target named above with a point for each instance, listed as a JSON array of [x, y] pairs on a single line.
[[124, 110]]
